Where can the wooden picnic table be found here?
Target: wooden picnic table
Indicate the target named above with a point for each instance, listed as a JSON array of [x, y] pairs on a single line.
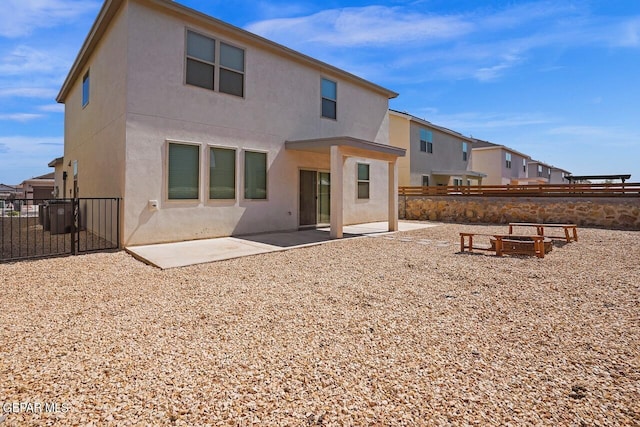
[[466, 243], [570, 230]]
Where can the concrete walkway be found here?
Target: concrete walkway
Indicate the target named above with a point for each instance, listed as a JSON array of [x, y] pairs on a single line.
[[181, 254]]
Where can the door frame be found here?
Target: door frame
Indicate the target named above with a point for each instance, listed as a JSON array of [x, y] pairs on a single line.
[[317, 171]]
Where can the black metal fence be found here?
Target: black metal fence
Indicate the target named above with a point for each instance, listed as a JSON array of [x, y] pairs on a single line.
[[34, 228]]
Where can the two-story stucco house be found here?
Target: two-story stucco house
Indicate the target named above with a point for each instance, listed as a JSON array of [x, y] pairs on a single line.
[[540, 172], [501, 164], [206, 130], [434, 155], [559, 175]]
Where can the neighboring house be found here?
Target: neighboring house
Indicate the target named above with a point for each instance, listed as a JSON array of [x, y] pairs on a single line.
[[207, 130], [60, 178], [6, 191], [501, 164], [540, 172], [37, 188], [435, 155], [559, 176]]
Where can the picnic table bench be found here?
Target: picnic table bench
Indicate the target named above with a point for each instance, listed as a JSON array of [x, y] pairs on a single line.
[[503, 244], [570, 230]]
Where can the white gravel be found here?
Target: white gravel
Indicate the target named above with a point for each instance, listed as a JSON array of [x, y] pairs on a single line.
[[371, 331]]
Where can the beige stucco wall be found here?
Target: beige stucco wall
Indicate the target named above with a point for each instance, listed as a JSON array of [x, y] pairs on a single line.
[[544, 177], [400, 136], [492, 163], [282, 102], [447, 155], [558, 176], [95, 134], [447, 152], [621, 213], [488, 162]]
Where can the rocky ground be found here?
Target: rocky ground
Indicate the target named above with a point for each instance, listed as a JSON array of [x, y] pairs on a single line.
[[372, 331]]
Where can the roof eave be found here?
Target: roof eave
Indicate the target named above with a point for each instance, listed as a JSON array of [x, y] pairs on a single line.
[[110, 8]]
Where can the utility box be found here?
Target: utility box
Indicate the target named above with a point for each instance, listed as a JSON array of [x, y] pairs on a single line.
[[43, 215], [60, 216]]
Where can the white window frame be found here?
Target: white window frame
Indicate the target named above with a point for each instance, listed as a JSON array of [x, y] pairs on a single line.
[[86, 89], [166, 168], [322, 98], [217, 66], [363, 181], [244, 174], [236, 166]]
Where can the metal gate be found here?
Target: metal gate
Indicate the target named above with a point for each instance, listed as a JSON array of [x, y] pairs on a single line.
[[40, 228]]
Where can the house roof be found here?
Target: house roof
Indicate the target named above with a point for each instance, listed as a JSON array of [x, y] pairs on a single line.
[[427, 123], [50, 175], [555, 168], [5, 187], [540, 163], [110, 8], [53, 163], [493, 146]]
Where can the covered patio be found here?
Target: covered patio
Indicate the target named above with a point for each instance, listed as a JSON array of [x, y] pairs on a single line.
[[341, 148], [446, 175]]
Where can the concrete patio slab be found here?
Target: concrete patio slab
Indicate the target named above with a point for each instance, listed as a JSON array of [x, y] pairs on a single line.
[[181, 254]]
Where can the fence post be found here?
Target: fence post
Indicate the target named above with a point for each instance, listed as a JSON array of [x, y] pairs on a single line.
[[74, 224], [118, 222]]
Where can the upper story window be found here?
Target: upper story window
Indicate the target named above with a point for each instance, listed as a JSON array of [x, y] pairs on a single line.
[[231, 70], [203, 53], [539, 170], [329, 98], [426, 141], [508, 160], [524, 165], [85, 89], [201, 58], [465, 152]]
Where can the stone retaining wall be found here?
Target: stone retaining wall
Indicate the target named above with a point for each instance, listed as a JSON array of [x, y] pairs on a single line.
[[605, 212]]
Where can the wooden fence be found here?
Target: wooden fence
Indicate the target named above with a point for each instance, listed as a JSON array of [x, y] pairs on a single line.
[[535, 190]]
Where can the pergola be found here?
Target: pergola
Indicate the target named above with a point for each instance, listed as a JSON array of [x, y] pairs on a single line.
[[572, 178], [339, 149]]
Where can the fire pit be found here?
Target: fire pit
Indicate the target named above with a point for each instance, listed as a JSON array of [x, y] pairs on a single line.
[[521, 245]]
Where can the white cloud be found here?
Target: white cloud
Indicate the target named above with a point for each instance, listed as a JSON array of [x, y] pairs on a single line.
[[491, 73], [20, 117], [362, 26], [472, 121], [24, 59], [595, 136], [630, 36], [24, 157], [16, 146], [52, 108], [21, 17], [28, 92]]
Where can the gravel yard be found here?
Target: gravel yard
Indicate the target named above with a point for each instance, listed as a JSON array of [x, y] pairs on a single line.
[[370, 331]]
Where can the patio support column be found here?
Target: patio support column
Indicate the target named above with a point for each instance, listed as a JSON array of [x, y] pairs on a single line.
[[393, 195], [337, 189]]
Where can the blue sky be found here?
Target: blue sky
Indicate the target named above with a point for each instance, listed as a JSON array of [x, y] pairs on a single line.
[[558, 80]]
